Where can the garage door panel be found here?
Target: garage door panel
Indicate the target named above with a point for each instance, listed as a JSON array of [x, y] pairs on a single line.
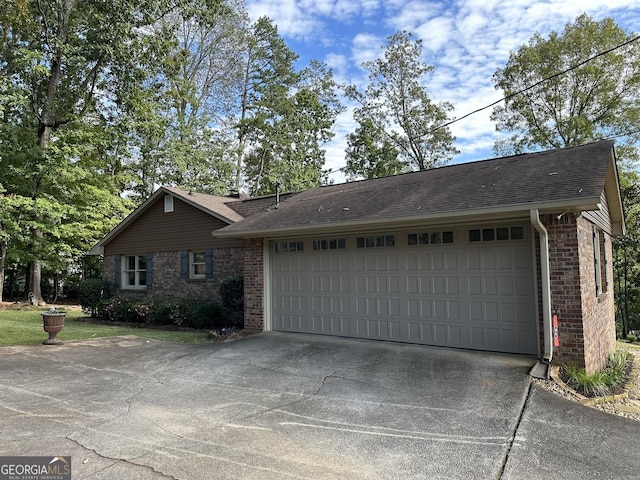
[[468, 296]]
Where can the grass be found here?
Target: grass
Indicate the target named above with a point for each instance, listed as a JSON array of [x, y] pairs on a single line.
[[600, 383], [24, 327]]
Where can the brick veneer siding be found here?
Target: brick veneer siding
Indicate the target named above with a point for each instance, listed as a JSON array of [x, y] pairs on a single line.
[[254, 284], [586, 320], [167, 282]]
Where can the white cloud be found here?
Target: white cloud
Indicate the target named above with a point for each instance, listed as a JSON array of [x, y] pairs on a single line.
[[467, 40]]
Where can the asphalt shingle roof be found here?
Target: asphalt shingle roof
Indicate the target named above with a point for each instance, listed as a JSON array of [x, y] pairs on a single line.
[[527, 179]]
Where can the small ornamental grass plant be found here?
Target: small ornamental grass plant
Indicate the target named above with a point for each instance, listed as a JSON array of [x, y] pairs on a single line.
[[607, 382]]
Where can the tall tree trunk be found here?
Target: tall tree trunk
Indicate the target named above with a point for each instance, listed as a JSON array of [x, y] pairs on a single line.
[[3, 256]]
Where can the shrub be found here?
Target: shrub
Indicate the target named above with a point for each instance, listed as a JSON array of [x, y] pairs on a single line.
[[632, 338], [206, 315], [232, 296], [91, 292], [128, 310], [588, 385], [185, 312], [600, 383]]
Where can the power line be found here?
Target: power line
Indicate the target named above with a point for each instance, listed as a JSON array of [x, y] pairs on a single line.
[[555, 75], [530, 87]]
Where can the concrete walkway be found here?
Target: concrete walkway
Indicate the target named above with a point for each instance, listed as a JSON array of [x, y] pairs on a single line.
[[280, 406]]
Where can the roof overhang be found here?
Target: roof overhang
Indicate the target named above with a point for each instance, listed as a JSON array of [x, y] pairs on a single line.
[[614, 199], [441, 217], [98, 248]]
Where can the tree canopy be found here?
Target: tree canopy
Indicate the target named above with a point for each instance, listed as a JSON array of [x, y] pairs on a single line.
[[399, 126], [102, 102], [563, 91]]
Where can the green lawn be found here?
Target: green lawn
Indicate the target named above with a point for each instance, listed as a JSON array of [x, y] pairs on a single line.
[[24, 327]]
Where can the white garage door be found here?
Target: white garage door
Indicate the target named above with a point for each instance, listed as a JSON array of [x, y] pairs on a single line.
[[463, 287]]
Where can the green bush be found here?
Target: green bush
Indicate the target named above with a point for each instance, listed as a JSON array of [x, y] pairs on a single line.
[[128, 310], [600, 383], [91, 292], [190, 312], [232, 296], [632, 338], [206, 315]]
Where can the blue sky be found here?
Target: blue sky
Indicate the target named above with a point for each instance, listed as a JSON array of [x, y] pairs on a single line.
[[466, 40]]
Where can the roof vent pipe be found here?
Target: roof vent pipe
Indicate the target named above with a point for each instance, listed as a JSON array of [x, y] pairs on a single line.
[[547, 320], [277, 195]]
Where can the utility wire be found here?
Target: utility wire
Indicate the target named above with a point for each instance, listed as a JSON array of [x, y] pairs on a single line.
[[519, 92], [544, 80]]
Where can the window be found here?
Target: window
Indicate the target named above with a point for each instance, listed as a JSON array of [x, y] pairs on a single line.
[[496, 234], [197, 265], [376, 241], [289, 246], [134, 271], [426, 238], [599, 261], [168, 203], [331, 244]]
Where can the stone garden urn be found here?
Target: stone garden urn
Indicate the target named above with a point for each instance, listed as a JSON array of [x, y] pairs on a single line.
[[53, 322]]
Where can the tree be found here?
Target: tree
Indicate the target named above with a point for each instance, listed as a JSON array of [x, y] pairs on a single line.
[[627, 256], [370, 155], [396, 110], [178, 123], [67, 59], [285, 116], [594, 99]]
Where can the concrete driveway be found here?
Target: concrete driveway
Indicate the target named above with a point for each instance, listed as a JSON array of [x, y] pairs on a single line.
[[281, 406]]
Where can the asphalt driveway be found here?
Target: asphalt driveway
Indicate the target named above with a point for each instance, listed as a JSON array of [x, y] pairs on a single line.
[[280, 406]]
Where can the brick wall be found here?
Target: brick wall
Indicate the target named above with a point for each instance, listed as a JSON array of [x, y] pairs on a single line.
[[253, 285], [586, 320], [598, 310], [167, 282]]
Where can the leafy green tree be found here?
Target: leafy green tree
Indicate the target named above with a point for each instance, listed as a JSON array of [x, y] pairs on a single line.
[[597, 96], [63, 57], [594, 99], [178, 124], [285, 116], [396, 110], [370, 155], [626, 259]]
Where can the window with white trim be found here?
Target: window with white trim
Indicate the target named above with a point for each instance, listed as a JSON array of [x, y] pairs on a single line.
[[168, 203], [134, 271], [599, 260], [197, 265]]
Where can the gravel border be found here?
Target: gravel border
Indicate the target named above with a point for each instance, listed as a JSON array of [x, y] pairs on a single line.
[[625, 405]]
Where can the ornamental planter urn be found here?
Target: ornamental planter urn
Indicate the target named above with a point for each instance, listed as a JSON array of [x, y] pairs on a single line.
[[53, 322]]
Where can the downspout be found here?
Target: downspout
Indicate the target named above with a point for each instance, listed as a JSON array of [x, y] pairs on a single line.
[[546, 285]]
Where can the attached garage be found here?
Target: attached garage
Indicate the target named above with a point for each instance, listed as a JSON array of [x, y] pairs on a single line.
[[476, 255], [465, 287]]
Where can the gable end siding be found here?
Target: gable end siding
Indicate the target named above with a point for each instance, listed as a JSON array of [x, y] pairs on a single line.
[[187, 227]]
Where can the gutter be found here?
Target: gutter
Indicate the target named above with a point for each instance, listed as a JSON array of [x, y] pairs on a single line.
[[546, 285]]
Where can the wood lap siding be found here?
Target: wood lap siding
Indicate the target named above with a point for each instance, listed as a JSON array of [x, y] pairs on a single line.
[[601, 217], [186, 227]]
